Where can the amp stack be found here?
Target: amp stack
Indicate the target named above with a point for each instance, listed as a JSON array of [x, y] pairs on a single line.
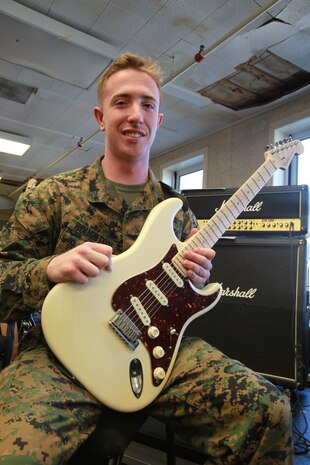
[[262, 318]]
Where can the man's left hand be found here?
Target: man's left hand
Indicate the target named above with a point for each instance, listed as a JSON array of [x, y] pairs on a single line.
[[198, 263]]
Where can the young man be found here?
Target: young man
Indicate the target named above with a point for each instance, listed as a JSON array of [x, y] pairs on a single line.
[[66, 230]]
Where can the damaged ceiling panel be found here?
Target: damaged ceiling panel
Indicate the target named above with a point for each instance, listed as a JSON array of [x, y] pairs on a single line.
[[258, 81]]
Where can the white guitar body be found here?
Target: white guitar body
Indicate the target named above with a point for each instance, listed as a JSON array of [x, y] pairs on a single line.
[[75, 320], [119, 334]]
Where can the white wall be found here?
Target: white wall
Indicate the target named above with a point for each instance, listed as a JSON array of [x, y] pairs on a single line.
[[236, 152]]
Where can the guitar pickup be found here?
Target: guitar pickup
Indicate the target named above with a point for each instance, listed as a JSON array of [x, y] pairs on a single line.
[[125, 328]]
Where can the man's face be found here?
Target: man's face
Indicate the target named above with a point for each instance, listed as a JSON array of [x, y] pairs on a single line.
[[129, 114]]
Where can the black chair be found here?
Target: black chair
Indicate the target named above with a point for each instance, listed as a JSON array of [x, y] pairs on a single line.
[[6, 344], [115, 431]]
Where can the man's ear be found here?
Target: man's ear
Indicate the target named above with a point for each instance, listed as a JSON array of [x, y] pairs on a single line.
[[160, 119], [98, 114]]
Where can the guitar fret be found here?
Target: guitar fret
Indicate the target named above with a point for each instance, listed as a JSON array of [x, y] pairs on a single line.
[[223, 223], [239, 201], [246, 193]]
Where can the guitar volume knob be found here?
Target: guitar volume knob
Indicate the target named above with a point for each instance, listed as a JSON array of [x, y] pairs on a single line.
[[159, 373], [158, 352], [153, 332]]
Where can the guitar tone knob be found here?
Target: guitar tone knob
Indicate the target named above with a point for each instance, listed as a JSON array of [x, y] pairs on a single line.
[[158, 352], [153, 332], [159, 373]]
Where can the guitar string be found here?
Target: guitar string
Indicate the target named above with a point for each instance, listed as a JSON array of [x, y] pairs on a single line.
[[147, 294]]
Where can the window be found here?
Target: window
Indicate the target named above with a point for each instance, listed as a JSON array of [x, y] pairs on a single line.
[[192, 180], [186, 173], [303, 164], [298, 127]]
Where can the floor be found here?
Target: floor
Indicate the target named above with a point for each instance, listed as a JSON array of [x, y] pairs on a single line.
[[301, 414], [153, 453]]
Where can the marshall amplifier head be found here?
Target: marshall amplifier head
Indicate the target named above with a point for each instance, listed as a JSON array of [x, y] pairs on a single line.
[[262, 318], [277, 210]]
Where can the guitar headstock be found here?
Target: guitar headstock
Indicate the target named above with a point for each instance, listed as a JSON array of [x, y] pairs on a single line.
[[282, 152]]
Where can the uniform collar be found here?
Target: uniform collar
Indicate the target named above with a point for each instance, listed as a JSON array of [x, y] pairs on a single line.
[[103, 191]]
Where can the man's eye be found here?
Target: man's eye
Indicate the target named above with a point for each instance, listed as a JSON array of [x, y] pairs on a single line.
[[151, 106]]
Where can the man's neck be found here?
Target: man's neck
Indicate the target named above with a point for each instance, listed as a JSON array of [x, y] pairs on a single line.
[[125, 173]]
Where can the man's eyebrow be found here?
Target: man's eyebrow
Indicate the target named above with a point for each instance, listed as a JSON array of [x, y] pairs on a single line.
[[125, 95]]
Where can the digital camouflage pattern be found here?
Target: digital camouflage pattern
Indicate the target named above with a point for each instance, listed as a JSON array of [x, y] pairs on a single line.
[[232, 415], [61, 213]]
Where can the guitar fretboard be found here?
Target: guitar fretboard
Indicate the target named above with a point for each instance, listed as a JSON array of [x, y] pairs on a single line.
[[226, 215]]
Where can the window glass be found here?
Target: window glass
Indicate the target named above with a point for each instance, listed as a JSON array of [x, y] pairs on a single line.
[[303, 173], [191, 180]]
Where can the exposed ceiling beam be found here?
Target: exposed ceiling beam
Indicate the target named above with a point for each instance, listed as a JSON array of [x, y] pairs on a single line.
[[57, 29]]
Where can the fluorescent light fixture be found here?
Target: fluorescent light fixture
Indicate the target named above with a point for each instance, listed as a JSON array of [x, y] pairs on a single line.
[[13, 144]]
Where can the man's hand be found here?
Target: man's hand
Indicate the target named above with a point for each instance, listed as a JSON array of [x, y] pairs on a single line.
[[198, 263], [83, 262]]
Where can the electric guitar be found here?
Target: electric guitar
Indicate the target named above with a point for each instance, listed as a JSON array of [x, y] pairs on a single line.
[[119, 334]]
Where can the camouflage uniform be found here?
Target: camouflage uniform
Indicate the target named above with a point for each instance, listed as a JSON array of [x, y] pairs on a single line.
[[213, 402]]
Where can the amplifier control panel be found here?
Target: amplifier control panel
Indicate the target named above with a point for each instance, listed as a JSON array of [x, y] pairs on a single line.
[[287, 225]]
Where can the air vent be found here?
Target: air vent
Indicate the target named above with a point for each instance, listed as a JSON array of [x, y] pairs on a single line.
[[258, 81], [11, 90]]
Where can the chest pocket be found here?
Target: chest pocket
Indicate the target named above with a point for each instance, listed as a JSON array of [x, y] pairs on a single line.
[[77, 232]]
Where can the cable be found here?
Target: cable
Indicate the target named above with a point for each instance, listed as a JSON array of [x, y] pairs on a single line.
[[301, 442]]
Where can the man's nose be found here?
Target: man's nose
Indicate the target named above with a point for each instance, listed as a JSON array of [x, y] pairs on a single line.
[[136, 113]]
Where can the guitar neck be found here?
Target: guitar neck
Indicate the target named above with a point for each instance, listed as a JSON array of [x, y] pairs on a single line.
[[209, 234]]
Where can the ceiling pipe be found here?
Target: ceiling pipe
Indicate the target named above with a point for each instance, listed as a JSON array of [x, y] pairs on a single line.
[[222, 40], [169, 79]]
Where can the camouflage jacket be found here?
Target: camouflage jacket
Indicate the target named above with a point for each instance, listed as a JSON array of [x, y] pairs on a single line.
[[61, 213]]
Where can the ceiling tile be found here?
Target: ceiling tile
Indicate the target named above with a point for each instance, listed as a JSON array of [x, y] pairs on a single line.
[[27, 46]]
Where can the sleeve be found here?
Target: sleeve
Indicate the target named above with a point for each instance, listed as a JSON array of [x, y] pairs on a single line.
[[185, 220], [26, 247]]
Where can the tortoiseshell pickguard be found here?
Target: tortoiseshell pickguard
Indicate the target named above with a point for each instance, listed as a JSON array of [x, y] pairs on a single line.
[[170, 319]]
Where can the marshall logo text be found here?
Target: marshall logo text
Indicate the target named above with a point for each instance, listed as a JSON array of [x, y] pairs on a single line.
[[238, 293], [250, 208]]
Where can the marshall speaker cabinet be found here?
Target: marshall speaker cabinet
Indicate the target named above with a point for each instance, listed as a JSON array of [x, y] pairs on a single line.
[[262, 317], [276, 210]]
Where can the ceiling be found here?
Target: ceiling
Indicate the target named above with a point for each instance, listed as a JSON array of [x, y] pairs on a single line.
[[56, 50]]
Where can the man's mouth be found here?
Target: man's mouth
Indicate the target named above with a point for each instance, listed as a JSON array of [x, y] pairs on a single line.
[[133, 134]]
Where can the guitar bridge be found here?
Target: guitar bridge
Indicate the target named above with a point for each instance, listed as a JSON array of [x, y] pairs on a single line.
[[125, 328]]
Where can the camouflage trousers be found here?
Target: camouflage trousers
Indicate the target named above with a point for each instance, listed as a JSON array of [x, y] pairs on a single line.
[[214, 403]]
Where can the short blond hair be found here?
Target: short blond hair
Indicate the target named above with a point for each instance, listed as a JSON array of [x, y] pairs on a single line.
[[130, 61]]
